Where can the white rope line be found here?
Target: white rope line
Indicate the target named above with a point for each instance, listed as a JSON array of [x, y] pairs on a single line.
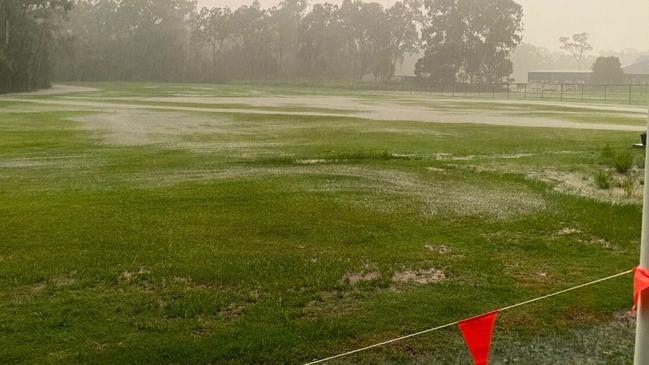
[[566, 290], [456, 322]]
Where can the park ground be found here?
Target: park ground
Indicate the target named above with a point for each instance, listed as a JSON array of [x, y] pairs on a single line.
[[234, 224]]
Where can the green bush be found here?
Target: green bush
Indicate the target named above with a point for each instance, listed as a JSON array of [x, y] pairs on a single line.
[[623, 162], [603, 180]]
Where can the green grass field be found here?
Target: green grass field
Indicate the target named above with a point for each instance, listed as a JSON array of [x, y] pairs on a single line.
[[234, 224]]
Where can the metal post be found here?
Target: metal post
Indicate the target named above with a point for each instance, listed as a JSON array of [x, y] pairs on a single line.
[[542, 90], [630, 101], [605, 94], [561, 92], [641, 356], [525, 92], [508, 87]]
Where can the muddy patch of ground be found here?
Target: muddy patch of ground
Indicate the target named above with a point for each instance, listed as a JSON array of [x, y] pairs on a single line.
[[355, 278], [440, 249], [63, 280], [128, 275], [421, 276], [567, 231]]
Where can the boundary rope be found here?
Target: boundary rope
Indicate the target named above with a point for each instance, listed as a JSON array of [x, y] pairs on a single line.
[[456, 322]]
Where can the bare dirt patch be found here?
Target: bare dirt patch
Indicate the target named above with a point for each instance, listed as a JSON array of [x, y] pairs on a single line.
[[63, 280], [421, 276], [567, 231], [440, 249], [355, 278], [128, 275], [578, 183], [36, 288]]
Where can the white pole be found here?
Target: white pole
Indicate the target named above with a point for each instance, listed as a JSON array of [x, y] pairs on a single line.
[[641, 356]]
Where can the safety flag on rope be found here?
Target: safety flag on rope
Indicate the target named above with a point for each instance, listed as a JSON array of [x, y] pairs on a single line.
[[640, 283], [477, 332]]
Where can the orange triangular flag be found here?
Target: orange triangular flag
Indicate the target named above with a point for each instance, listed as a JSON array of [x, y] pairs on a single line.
[[477, 332], [640, 283]]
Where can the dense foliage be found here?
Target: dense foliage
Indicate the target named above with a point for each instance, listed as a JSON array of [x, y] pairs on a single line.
[[470, 41], [174, 40], [28, 29], [607, 70]]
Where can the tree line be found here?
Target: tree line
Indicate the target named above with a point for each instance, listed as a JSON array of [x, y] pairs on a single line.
[[175, 40], [28, 29]]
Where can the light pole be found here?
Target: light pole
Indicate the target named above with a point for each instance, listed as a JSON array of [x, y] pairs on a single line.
[[641, 356]]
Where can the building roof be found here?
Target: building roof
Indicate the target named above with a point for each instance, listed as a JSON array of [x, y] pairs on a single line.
[[641, 67]]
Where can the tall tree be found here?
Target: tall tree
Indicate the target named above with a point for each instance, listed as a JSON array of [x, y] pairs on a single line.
[[577, 46], [285, 20], [470, 40], [214, 26], [361, 21], [607, 70], [254, 38], [398, 36], [129, 39], [320, 42], [29, 28], [173, 40]]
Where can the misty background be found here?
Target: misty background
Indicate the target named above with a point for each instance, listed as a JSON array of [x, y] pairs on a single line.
[[613, 25], [616, 29], [327, 43]]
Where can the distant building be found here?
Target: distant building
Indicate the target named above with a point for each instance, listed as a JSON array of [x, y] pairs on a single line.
[[638, 73], [559, 76]]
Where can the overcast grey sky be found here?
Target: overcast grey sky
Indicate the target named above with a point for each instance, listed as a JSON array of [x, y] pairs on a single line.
[[612, 24]]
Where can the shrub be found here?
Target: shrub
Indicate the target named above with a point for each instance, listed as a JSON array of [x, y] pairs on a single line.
[[603, 180], [623, 162], [629, 185]]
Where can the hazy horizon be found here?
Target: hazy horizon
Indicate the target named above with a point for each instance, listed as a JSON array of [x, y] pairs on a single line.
[[547, 20]]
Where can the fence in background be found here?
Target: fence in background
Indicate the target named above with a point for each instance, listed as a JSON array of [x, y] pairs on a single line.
[[633, 94]]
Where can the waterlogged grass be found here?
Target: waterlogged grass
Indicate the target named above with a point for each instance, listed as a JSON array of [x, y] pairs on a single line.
[[149, 89], [210, 105], [240, 250]]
